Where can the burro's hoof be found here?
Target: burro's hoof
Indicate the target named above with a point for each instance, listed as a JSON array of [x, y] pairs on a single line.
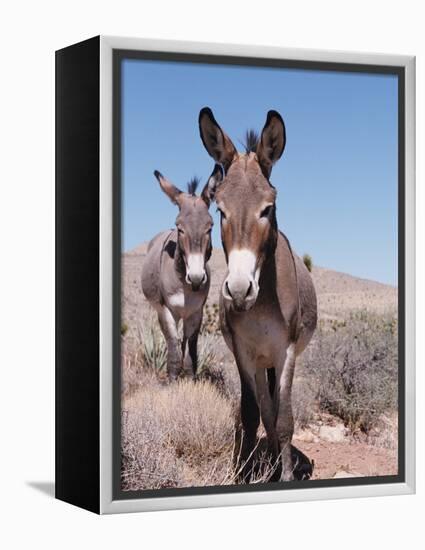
[[302, 466]]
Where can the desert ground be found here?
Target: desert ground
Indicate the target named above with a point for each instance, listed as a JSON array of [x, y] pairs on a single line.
[[344, 395]]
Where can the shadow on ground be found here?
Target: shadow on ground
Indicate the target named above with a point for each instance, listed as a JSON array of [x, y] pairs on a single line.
[[46, 487], [303, 466]]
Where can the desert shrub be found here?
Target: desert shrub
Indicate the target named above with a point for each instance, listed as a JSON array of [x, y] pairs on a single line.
[[308, 262], [178, 434], [352, 367], [124, 329], [209, 366], [385, 432], [146, 460], [303, 403], [206, 353], [201, 419], [130, 373]]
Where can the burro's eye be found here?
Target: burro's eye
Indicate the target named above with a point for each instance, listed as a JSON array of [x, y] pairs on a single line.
[[180, 230], [265, 213]]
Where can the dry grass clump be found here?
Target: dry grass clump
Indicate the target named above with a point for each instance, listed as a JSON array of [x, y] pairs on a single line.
[[352, 367], [173, 435], [132, 372], [385, 432], [304, 403], [146, 460]]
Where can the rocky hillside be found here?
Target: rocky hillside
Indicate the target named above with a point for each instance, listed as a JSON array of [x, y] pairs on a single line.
[[337, 292]]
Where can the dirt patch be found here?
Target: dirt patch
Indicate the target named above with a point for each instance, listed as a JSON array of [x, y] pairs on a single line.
[[357, 459]]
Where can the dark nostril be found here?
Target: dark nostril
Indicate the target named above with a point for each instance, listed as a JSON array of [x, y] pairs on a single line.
[[248, 292], [228, 290]]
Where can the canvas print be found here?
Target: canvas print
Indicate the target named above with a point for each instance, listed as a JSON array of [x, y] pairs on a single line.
[[259, 275]]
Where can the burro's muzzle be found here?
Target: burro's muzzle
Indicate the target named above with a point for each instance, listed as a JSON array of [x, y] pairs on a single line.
[[196, 275], [240, 289]]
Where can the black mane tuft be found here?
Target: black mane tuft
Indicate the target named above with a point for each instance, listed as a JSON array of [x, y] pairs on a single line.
[[192, 185], [251, 141]]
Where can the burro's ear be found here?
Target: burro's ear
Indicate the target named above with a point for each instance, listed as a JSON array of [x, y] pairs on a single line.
[[208, 192], [216, 142], [169, 189], [272, 142]]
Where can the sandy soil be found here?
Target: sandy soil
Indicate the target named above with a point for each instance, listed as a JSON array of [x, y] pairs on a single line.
[[348, 459]]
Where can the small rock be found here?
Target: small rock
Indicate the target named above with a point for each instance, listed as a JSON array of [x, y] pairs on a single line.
[[306, 436], [343, 474], [333, 434]]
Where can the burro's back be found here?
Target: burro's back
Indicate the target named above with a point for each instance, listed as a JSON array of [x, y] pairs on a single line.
[[152, 268]]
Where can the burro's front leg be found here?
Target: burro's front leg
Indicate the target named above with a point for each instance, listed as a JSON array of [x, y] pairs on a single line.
[[169, 329], [191, 328], [285, 419], [249, 414]]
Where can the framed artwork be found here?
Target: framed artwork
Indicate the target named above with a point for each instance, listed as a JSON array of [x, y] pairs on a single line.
[[234, 274]]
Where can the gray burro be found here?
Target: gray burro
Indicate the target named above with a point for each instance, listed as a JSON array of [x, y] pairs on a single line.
[[268, 307], [176, 277]]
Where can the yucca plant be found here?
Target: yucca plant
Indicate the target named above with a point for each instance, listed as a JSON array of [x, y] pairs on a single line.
[[154, 347], [153, 350]]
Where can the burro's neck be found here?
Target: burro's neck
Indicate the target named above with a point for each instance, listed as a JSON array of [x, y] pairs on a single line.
[[267, 280]]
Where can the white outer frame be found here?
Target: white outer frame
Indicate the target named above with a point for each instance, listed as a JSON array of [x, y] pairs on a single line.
[[107, 504]]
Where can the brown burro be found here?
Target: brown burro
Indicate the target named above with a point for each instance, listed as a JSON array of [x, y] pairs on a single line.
[[175, 276], [268, 308]]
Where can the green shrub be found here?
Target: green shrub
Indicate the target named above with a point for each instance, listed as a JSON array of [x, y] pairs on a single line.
[[353, 368], [308, 261]]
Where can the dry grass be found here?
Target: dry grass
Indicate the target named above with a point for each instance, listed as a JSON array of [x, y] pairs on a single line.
[[188, 426], [182, 435], [304, 403], [385, 432]]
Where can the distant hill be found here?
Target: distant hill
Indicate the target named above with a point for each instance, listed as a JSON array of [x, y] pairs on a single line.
[[337, 292]]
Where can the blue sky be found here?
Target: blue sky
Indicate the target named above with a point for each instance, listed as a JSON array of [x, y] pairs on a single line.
[[336, 180]]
